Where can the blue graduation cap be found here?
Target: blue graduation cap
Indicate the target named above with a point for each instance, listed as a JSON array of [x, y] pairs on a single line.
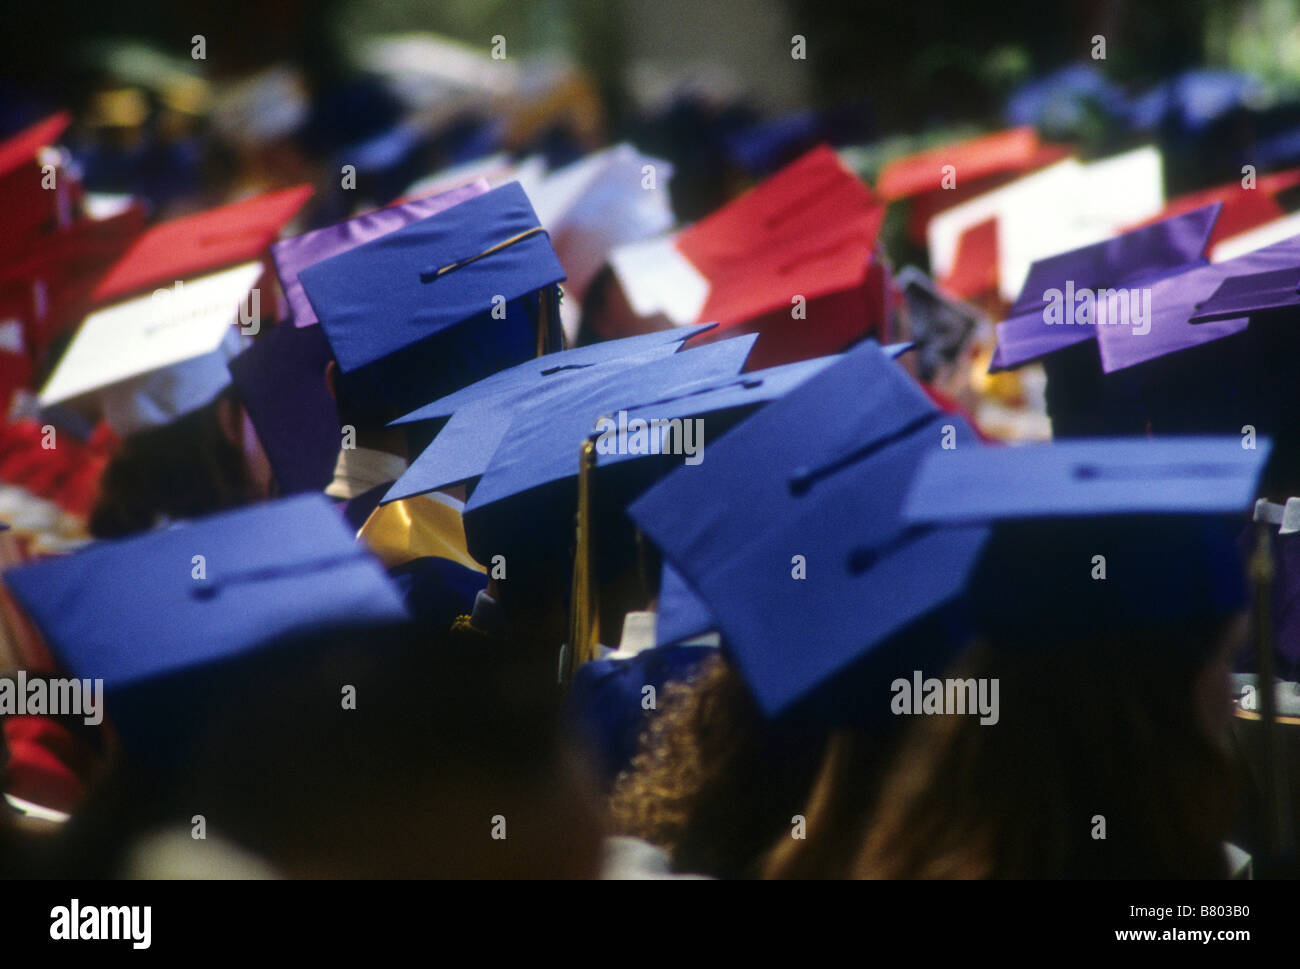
[[822, 592], [179, 602], [606, 698], [682, 614], [1094, 536], [1062, 100], [764, 146], [1193, 100], [1124, 476], [531, 477], [440, 303], [535, 374], [281, 381], [463, 448]]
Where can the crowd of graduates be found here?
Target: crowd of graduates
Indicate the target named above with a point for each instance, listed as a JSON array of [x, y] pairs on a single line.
[[437, 489]]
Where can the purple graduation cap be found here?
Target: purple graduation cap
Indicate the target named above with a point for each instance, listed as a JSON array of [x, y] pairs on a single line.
[[1127, 261], [1177, 299], [1251, 294], [292, 256]]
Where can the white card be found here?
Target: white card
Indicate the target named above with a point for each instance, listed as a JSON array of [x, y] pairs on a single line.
[[657, 278], [1034, 191]]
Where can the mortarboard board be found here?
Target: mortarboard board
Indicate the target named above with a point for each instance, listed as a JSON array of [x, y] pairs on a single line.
[[531, 476], [153, 358], [759, 148], [1251, 294], [606, 696], [973, 158], [1192, 100], [1061, 101], [1158, 250], [463, 448], [409, 315], [147, 608], [1176, 299], [808, 231], [535, 373], [1157, 511], [1092, 477], [295, 254], [185, 247], [682, 614], [281, 381], [818, 488]]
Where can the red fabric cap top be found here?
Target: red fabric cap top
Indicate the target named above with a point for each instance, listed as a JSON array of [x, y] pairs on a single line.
[[791, 212], [207, 241], [1243, 208], [1015, 150]]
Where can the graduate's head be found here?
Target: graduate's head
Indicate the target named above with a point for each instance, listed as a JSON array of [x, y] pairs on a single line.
[[364, 413], [370, 755], [1107, 761], [1104, 647], [205, 461]]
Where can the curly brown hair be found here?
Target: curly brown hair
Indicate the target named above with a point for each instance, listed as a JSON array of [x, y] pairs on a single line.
[[713, 783]]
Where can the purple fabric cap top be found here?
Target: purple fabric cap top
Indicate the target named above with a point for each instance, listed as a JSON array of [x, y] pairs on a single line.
[[294, 255], [1250, 294], [1142, 254], [1175, 300]]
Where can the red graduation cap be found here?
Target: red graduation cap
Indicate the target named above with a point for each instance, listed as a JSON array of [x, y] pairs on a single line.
[[812, 196], [1243, 208], [979, 164], [974, 158], [48, 286], [808, 231], [196, 244], [29, 206]]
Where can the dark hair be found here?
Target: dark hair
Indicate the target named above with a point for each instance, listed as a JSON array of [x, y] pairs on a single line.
[[184, 469], [1091, 731], [403, 780]]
